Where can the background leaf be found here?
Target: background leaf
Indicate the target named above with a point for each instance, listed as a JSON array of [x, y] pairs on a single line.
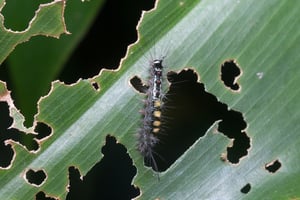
[[32, 66], [54, 28]]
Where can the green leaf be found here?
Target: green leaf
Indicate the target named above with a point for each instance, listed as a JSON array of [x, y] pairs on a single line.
[[262, 37], [42, 59], [3, 89], [48, 21]]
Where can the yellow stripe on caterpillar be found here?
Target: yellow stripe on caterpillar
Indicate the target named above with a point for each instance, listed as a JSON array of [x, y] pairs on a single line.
[[157, 114], [156, 123], [156, 130], [157, 104]]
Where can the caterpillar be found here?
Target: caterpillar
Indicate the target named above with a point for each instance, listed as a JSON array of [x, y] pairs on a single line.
[[151, 121]]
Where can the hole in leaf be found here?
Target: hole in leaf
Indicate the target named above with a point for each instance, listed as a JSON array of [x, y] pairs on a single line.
[[230, 71], [189, 111], [43, 130], [95, 86], [246, 188], [35, 177], [28, 140], [19, 21], [42, 196], [6, 156], [273, 166], [6, 151], [110, 178], [138, 84], [232, 125], [115, 17]]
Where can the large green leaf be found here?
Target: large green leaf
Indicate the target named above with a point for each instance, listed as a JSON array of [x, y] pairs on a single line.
[[263, 38]]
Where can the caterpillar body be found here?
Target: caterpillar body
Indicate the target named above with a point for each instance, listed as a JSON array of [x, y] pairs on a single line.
[[151, 122]]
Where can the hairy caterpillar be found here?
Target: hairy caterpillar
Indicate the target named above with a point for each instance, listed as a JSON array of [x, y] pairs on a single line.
[[151, 122]]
